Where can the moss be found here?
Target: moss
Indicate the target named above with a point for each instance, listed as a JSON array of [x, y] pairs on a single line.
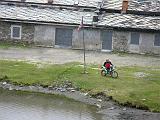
[[18, 44]]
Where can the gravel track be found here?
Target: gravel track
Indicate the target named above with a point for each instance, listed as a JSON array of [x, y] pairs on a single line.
[[60, 56]]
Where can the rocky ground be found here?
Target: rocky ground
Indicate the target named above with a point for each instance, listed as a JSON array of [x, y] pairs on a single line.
[[105, 104]]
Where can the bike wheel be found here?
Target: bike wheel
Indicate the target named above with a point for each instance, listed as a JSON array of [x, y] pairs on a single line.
[[103, 72], [114, 74]]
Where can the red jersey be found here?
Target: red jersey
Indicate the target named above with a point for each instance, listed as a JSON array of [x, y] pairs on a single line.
[[107, 65]]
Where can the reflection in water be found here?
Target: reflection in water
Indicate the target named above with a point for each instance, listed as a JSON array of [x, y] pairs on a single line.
[[32, 106]]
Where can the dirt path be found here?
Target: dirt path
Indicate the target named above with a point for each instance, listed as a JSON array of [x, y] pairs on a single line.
[[60, 56]]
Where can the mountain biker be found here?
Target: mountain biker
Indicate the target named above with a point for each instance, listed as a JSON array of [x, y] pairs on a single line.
[[108, 65]]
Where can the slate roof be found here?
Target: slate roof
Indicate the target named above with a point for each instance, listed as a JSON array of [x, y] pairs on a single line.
[[113, 4], [44, 14], [130, 21], [73, 17], [145, 5], [89, 3], [137, 5]]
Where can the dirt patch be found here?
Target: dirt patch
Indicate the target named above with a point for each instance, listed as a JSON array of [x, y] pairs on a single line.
[[60, 56], [140, 74]]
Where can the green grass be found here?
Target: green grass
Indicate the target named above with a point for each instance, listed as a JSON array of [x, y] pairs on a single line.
[[10, 44], [142, 92]]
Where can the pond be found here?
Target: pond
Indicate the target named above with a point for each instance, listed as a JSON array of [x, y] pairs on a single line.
[[34, 106]]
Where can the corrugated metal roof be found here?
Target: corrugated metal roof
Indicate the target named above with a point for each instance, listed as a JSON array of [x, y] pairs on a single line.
[[130, 21], [45, 14]]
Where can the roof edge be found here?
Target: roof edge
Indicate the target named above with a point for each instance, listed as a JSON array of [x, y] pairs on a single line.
[[146, 13], [76, 25], [45, 4]]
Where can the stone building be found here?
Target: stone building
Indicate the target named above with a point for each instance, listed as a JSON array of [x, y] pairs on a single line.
[[121, 25]]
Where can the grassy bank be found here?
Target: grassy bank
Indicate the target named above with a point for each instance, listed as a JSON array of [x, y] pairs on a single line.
[[139, 86], [10, 44]]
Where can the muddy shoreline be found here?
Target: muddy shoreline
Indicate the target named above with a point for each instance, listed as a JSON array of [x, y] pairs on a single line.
[[105, 105]]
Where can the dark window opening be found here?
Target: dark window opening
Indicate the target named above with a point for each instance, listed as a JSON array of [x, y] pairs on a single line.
[[16, 32], [157, 40], [135, 38]]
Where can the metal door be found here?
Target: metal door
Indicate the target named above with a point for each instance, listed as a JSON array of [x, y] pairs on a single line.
[[106, 37], [63, 37]]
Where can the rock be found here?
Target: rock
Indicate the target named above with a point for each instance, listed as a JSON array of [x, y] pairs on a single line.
[[63, 90], [98, 105], [99, 100], [21, 85], [124, 109], [50, 87], [55, 88], [65, 86], [111, 108], [30, 87], [85, 94], [17, 88], [10, 88], [59, 88], [90, 96], [69, 89], [4, 83], [33, 88], [140, 74], [73, 90]]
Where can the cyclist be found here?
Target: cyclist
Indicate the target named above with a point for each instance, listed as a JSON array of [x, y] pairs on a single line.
[[108, 65]]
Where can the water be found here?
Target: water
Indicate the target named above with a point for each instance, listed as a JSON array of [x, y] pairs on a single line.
[[33, 106]]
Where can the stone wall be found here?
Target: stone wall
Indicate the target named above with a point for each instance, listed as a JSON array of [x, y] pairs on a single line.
[[120, 41], [5, 31], [45, 35], [28, 33]]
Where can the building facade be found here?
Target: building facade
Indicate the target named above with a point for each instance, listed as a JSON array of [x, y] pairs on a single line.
[[54, 26]]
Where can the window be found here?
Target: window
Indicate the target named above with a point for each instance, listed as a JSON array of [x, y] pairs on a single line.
[[135, 38], [157, 40], [16, 32]]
